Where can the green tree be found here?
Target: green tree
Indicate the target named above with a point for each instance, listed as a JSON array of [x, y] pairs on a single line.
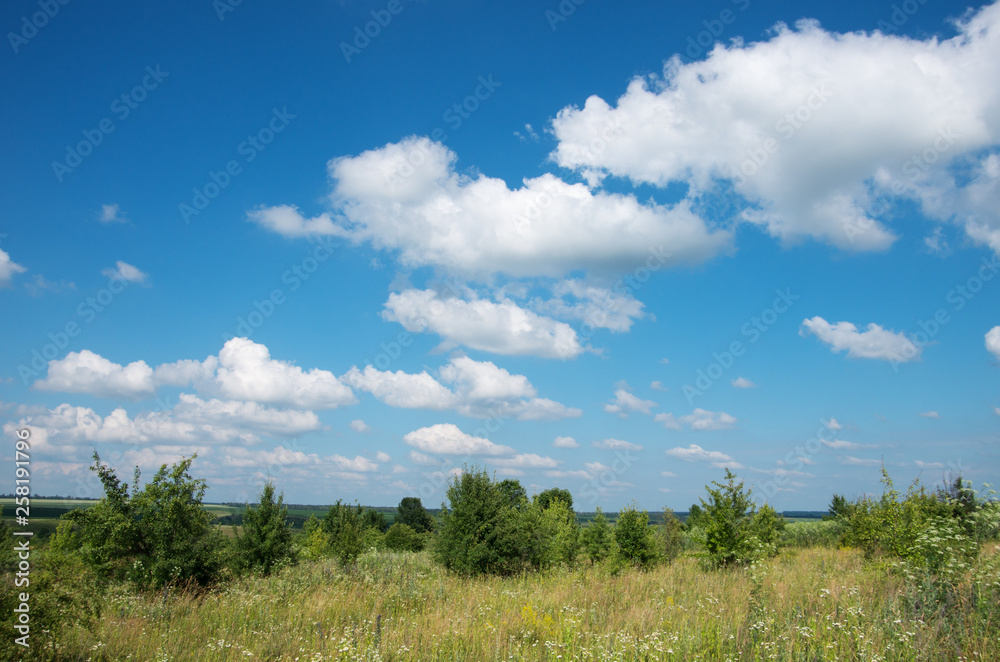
[[671, 538], [547, 497], [266, 540], [634, 538], [343, 526], [403, 538], [558, 534], [154, 536], [597, 538], [373, 519], [734, 532], [839, 507], [412, 513]]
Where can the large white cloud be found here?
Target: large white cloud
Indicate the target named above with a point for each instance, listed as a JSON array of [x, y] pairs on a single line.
[[812, 128], [407, 197], [500, 328], [993, 341], [478, 388], [872, 343], [87, 372], [448, 439]]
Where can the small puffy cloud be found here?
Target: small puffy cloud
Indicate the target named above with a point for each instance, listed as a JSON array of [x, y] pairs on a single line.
[[501, 328], [287, 221], [872, 343], [929, 414], [616, 445], [695, 453], [111, 214], [625, 403], [832, 424], [8, 268], [382, 456], [699, 419], [359, 425], [657, 386], [448, 439], [565, 442], [993, 341], [743, 382], [126, 272]]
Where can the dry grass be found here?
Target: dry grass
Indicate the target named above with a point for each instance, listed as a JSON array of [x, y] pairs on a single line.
[[809, 604]]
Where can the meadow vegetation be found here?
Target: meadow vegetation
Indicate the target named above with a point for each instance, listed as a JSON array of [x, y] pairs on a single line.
[[145, 574]]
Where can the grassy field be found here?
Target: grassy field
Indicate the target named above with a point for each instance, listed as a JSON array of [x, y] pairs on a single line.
[[808, 604]]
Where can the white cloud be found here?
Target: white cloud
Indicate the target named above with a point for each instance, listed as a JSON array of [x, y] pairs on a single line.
[[424, 460], [668, 474], [408, 197], [87, 372], [382, 456], [245, 415], [598, 307], [8, 268], [993, 341], [840, 444], [500, 328], [111, 214], [39, 285], [526, 461], [616, 445], [247, 372], [929, 414], [481, 390], [996, 410], [126, 272], [832, 424], [856, 461], [695, 453], [929, 465], [447, 439], [624, 403], [359, 425], [936, 243], [873, 343], [743, 382], [887, 98], [568, 442], [658, 386], [699, 419]]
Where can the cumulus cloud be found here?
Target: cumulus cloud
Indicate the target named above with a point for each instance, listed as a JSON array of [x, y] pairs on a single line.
[[8, 269], [448, 439], [993, 341], [111, 214], [754, 116], [872, 343], [625, 403], [359, 425], [479, 389], [565, 442], [126, 272], [526, 461], [87, 372], [743, 382], [500, 328], [598, 307], [616, 445], [695, 453], [699, 419], [408, 197], [859, 462], [840, 444]]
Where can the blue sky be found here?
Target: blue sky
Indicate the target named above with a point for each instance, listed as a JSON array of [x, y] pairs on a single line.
[[355, 246]]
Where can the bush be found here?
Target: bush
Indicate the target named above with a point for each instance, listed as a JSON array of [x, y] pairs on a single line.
[[825, 533], [266, 541], [597, 538], [558, 533], [735, 533], [412, 513], [634, 537], [487, 529], [403, 538], [342, 525], [159, 535], [888, 525], [671, 536]]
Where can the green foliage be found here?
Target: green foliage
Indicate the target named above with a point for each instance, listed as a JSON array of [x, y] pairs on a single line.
[[546, 498], [373, 519], [597, 538], [343, 526], [889, 525], [840, 508], [487, 528], [266, 540], [412, 513], [403, 538], [159, 535], [825, 533], [670, 536], [695, 518], [558, 533], [734, 532], [635, 540]]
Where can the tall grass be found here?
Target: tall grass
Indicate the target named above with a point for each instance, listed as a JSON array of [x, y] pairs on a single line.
[[817, 603]]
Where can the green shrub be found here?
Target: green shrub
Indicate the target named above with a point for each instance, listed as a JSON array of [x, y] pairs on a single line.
[[343, 527], [634, 538], [412, 513], [734, 532], [670, 535], [558, 533], [889, 525], [402, 538], [266, 539], [597, 538]]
